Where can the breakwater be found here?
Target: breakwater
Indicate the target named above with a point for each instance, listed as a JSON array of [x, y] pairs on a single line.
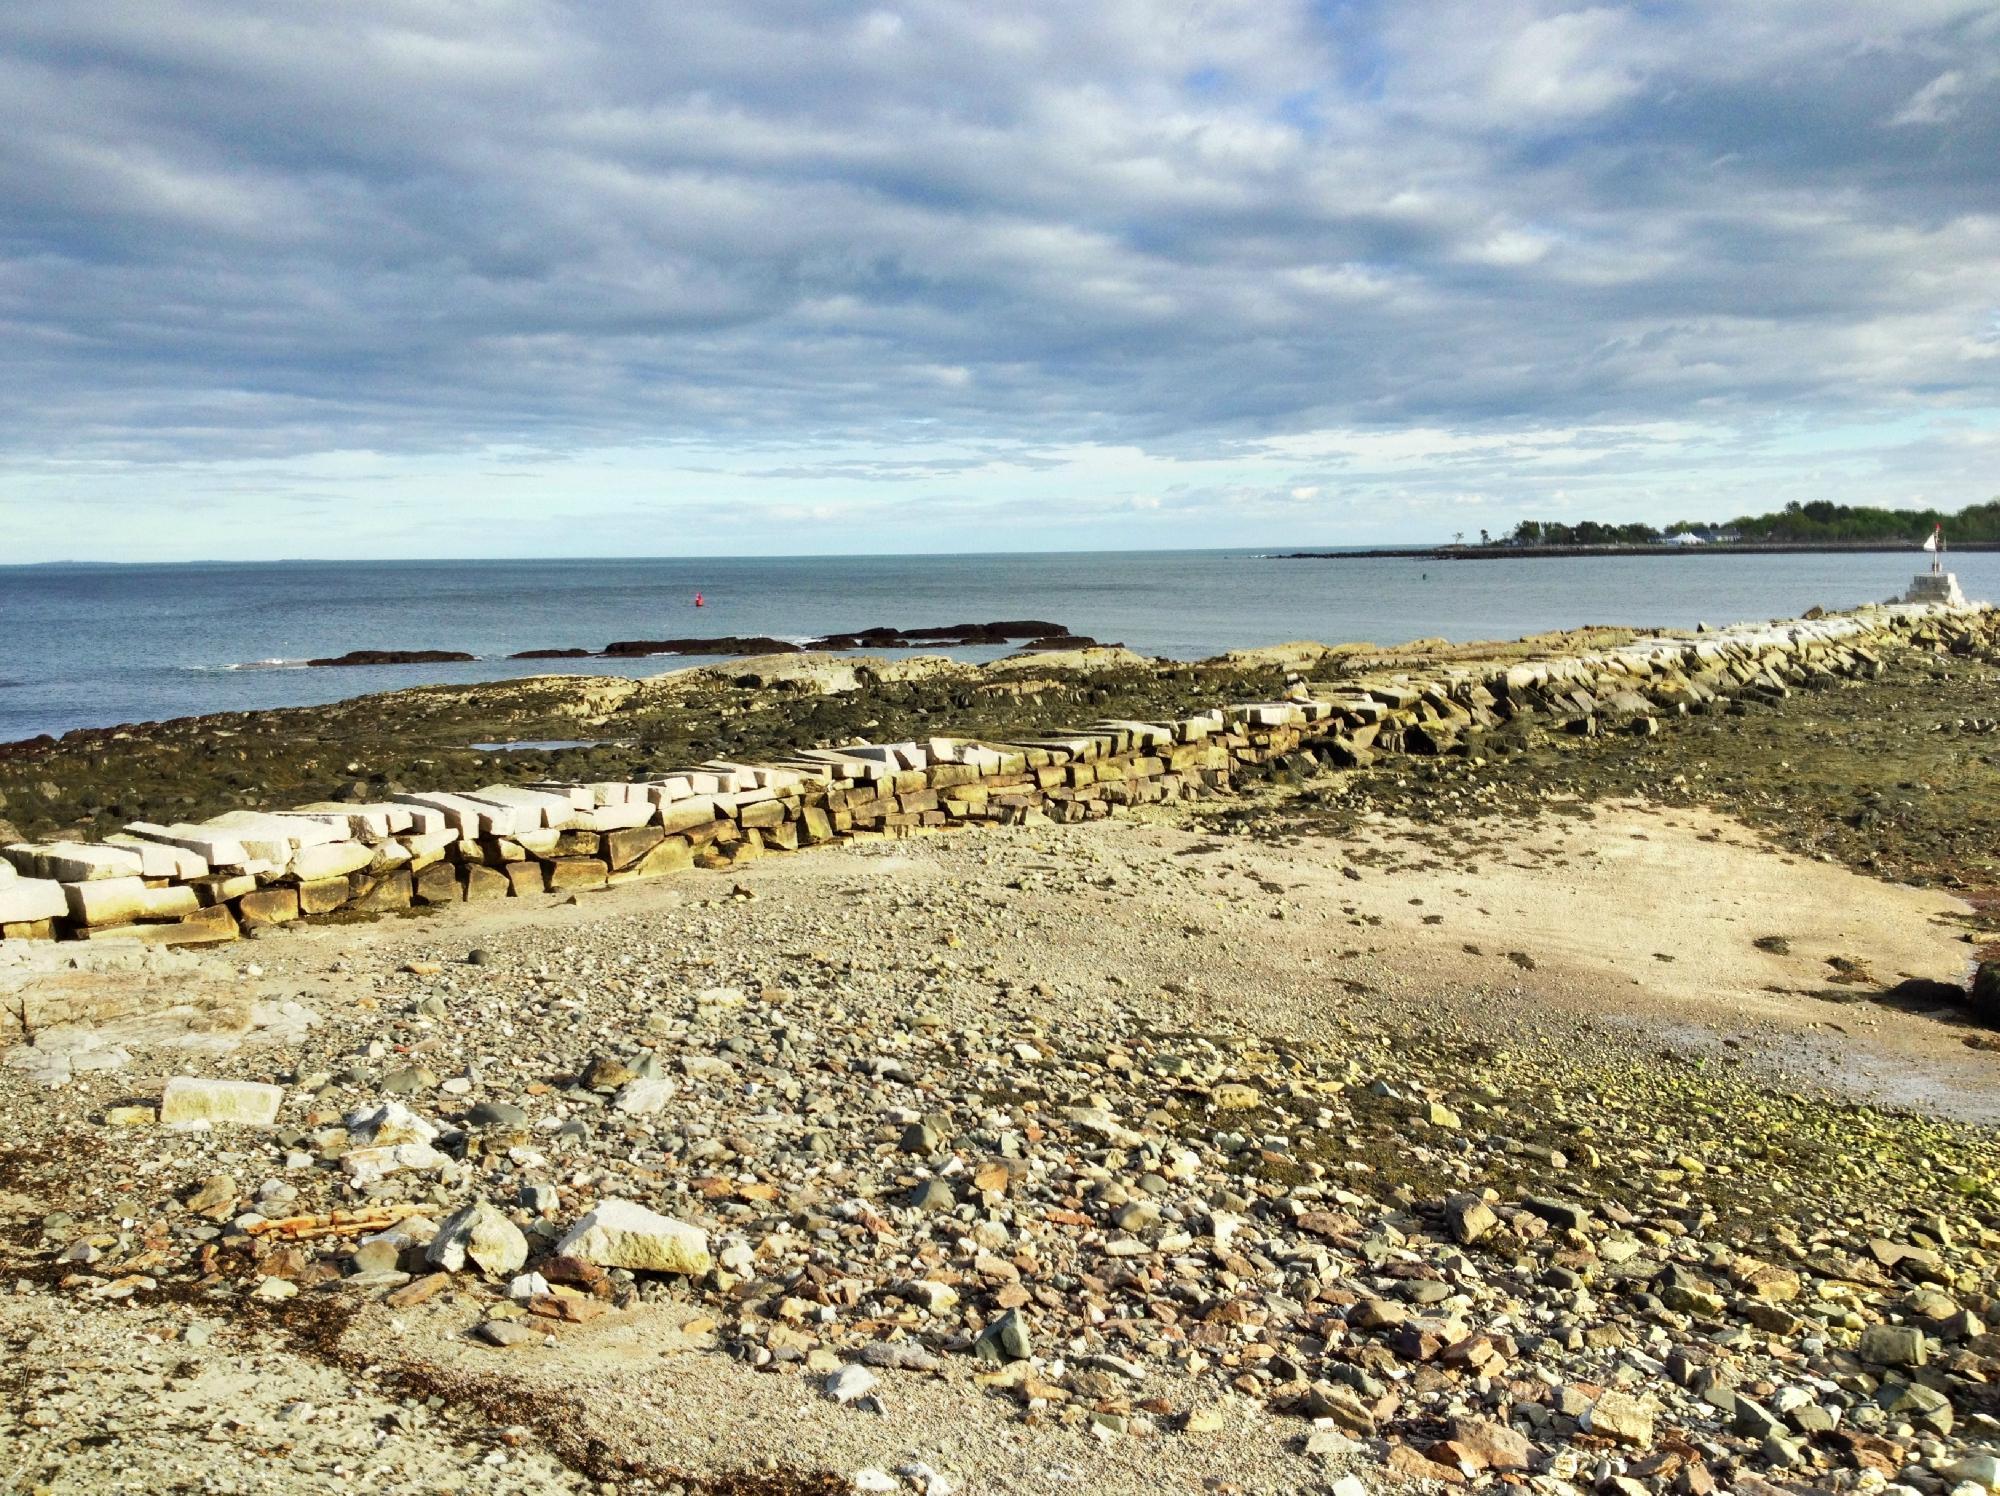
[[203, 882]]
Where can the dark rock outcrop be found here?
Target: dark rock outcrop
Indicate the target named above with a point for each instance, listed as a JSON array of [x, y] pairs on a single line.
[[620, 649], [396, 657], [949, 635]]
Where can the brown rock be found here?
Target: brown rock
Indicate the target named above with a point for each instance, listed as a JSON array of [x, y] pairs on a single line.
[[1490, 1445], [417, 1291]]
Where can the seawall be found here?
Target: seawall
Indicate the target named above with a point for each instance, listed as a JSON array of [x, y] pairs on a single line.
[[205, 882]]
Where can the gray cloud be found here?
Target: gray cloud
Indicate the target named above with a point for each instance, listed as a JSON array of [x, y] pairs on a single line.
[[245, 229]]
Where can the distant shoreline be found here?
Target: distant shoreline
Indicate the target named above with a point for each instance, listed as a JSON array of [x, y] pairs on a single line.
[[1541, 552]]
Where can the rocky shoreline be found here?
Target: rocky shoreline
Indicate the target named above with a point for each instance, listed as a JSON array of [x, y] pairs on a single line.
[[197, 882], [1029, 634], [1272, 1140]]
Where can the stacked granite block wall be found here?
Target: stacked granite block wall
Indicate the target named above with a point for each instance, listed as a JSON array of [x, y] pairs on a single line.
[[197, 883]]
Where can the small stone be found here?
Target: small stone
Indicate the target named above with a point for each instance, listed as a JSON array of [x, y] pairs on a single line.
[[217, 1192], [506, 1333], [850, 1383], [1892, 1345], [933, 1196], [407, 1081], [1377, 1314], [1490, 1445], [1469, 1218], [644, 1096], [1621, 1417], [482, 1235], [921, 1138], [1980, 1469], [496, 1114], [1006, 1339]]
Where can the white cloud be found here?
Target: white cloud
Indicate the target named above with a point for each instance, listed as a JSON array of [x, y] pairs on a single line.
[[1252, 249], [1937, 102]]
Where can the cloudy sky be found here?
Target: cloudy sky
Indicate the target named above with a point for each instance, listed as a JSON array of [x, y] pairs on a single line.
[[522, 277]]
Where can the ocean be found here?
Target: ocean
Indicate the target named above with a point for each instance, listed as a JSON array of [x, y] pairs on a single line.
[[100, 645]]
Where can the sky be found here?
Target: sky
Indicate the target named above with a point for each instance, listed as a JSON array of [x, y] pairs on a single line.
[[523, 277]]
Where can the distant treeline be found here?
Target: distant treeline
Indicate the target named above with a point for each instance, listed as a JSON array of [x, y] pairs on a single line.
[[1820, 522]]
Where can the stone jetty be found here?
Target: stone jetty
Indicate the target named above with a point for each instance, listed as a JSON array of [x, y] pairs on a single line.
[[197, 883]]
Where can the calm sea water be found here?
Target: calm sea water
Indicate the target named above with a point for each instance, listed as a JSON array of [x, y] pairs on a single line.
[[93, 646]]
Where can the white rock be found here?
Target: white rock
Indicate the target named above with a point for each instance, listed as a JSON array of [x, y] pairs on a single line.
[[481, 1235], [366, 1166], [644, 1096], [187, 1099], [621, 1233], [75, 862], [386, 1122], [330, 860], [120, 901], [851, 1382], [411, 1231], [26, 900]]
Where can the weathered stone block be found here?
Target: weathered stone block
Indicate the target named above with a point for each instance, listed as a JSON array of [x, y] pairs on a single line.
[[379, 895], [674, 854], [437, 884], [268, 906], [75, 862], [621, 849], [204, 927], [485, 883], [524, 878], [330, 860], [187, 1099], [28, 900], [324, 895], [576, 872], [124, 901]]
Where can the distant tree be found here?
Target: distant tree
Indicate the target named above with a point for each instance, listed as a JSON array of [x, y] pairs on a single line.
[[1814, 521], [1484, 538]]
